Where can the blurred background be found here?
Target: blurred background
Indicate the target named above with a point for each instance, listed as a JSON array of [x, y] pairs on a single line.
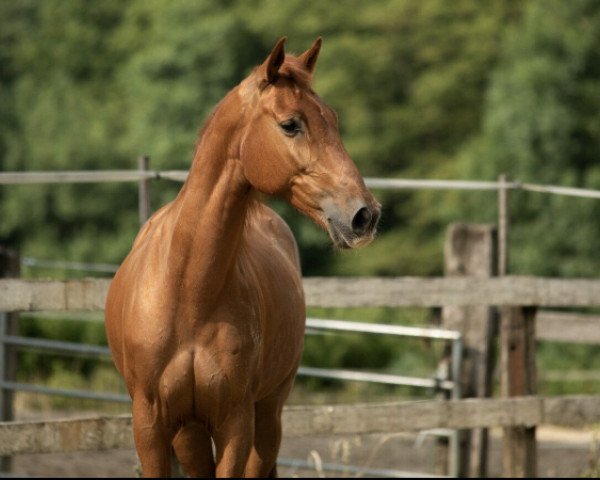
[[424, 89]]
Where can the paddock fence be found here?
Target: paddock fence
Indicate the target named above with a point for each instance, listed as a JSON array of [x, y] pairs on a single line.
[[472, 298], [523, 412], [112, 432]]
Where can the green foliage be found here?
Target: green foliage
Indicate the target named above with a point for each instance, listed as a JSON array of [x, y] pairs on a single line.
[[541, 125], [94, 86], [424, 89]]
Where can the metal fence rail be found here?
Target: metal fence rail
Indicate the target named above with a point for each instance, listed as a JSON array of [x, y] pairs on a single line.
[[319, 324], [103, 176], [313, 324]]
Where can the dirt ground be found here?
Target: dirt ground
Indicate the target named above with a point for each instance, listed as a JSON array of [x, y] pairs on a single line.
[[562, 453]]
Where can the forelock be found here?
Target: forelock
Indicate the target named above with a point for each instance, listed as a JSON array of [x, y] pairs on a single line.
[[293, 69]]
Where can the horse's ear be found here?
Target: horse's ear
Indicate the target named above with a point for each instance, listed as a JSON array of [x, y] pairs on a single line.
[[275, 60], [309, 58]]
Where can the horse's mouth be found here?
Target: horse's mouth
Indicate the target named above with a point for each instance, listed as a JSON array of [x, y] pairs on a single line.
[[340, 234], [338, 239], [344, 239]]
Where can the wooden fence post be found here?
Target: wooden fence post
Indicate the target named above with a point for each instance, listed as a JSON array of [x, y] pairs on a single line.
[[517, 358], [518, 378], [471, 250], [144, 190], [9, 325]]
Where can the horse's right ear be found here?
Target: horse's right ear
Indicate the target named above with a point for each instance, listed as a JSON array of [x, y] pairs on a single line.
[[274, 61], [309, 58]]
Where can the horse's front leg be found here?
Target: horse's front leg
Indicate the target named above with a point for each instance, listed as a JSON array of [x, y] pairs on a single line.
[[233, 441], [152, 440], [262, 462]]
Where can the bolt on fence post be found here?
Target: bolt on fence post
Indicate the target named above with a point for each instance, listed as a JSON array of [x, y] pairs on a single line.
[[144, 190]]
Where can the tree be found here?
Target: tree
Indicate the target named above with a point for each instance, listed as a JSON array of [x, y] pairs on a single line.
[[62, 118], [542, 125], [96, 85]]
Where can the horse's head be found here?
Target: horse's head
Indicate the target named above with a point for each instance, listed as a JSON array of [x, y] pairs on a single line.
[[291, 147]]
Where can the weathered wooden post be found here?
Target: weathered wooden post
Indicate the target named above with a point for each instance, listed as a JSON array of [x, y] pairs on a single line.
[[517, 359], [9, 325], [471, 250], [518, 378], [144, 190]]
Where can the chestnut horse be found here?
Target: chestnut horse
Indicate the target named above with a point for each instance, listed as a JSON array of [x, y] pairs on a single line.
[[205, 317]]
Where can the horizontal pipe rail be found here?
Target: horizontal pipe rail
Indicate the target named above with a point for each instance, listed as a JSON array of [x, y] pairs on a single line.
[[66, 265], [100, 176], [372, 377], [81, 394], [57, 346], [110, 432], [311, 323], [553, 326], [398, 330], [318, 324]]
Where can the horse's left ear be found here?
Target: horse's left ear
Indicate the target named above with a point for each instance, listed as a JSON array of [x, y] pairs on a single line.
[[309, 58], [275, 60]]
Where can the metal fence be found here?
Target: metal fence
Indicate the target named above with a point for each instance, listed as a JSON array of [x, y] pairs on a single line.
[[434, 383]]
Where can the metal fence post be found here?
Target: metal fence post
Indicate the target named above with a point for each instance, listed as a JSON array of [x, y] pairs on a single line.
[[9, 268], [503, 219], [144, 190]]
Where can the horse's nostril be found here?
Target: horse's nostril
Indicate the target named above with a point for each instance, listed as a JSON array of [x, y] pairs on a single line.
[[361, 221], [375, 219]]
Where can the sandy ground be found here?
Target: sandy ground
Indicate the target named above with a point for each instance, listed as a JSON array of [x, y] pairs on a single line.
[[562, 453]]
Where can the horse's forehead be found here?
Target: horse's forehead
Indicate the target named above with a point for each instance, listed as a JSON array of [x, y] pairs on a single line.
[[302, 100]]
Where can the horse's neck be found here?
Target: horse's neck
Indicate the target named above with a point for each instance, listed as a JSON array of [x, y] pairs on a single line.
[[211, 209]]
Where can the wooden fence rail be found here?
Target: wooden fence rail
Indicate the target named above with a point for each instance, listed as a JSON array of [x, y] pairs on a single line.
[[65, 295], [102, 433], [567, 327]]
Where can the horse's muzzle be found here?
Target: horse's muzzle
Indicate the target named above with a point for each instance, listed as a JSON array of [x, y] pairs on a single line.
[[355, 230]]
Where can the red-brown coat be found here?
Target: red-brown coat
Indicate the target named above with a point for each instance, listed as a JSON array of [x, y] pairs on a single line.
[[205, 317]]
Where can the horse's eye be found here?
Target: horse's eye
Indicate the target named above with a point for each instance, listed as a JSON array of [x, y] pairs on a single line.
[[291, 127]]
